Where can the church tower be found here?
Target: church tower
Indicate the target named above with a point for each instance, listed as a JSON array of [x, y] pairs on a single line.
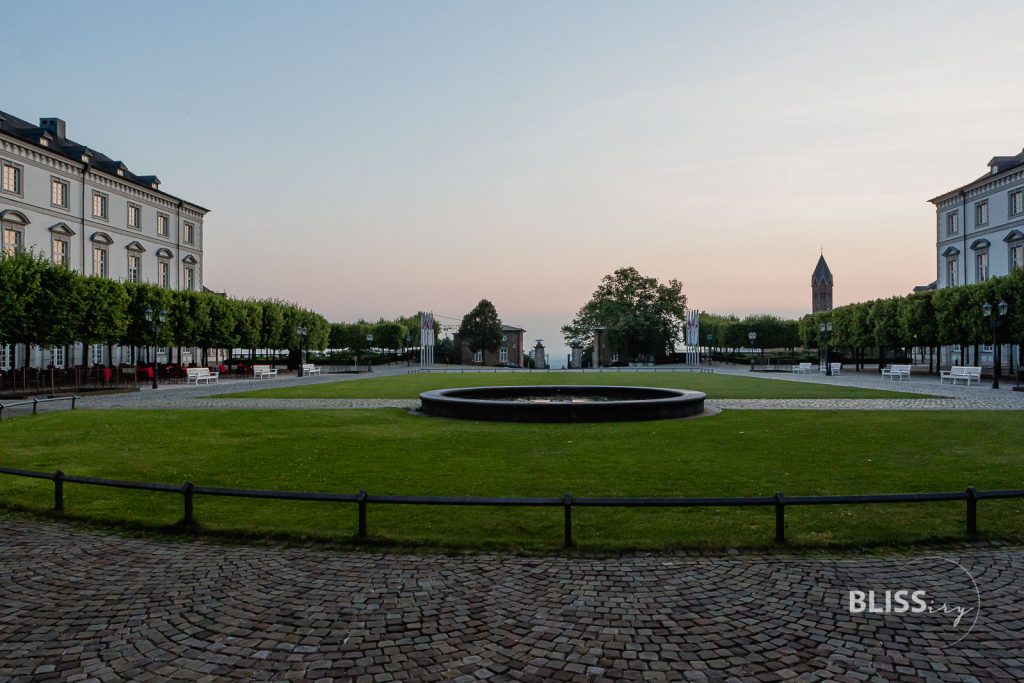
[[821, 287]]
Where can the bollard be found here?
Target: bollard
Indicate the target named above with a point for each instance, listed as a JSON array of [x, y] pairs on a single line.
[[361, 500], [972, 510], [58, 491], [186, 490], [73, 399], [567, 507], [35, 405], [780, 518]]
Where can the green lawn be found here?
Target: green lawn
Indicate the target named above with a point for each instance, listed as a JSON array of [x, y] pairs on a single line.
[[735, 453], [714, 385]]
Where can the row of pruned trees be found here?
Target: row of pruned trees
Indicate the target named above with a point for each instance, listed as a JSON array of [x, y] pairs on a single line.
[[389, 335], [730, 332], [49, 305], [927, 319]]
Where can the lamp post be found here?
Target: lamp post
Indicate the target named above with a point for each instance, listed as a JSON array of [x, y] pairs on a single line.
[[826, 333], [156, 324], [994, 323], [369, 348], [408, 342], [302, 333]]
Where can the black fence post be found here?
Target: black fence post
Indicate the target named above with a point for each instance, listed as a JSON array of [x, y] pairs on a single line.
[[35, 406], [186, 490], [73, 399], [567, 507], [361, 500], [58, 491], [780, 517], [972, 510]]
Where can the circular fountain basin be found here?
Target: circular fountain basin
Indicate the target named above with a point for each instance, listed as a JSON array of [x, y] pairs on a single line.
[[562, 403]]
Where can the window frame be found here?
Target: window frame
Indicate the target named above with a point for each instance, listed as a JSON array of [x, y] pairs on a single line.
[[164, 218], [981, 207], [138, 216], [96, 194], [952, 223], [19, 178], [188, 233], [980, 259], [1019, 248], [103, 253], [190, 278], [134, 257], [1009, 204], [57, 180], [19, 241], [163, 273], [952, 268], [66, 260]]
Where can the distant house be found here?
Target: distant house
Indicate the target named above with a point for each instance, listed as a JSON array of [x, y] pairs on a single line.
[[510, 351]]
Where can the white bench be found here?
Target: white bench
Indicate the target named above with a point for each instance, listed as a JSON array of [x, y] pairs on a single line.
[[309, 369], [802, 368], [961, 372], [897, 373], [263, 371], [836, 368], [197, 375]]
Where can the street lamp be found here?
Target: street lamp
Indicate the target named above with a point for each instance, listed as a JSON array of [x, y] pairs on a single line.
[[826, 333], [408, 343], [156, 324], [369, 348], [752, 337], [994, 323], [302, 333]]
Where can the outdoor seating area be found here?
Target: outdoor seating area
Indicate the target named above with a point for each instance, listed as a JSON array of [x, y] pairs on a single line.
[[802, 368], [309, 369], [263, 372], [961, 373], [201, 375], [836, 368], [897, 373]]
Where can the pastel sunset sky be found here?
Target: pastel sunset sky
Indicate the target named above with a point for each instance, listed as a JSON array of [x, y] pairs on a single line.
[[370, 159]]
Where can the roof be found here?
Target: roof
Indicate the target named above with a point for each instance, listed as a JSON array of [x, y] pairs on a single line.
[[925, 288], [996, 165], [511, 328], [822, 275], [33, 134]]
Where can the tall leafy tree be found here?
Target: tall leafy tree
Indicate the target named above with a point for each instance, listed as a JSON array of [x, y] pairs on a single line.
[[640, 315], [481, 328]]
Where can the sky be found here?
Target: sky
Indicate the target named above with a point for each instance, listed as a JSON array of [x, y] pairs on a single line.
[[377, 158]]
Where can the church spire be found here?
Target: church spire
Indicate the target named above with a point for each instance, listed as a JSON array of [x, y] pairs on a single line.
[[821, 286]]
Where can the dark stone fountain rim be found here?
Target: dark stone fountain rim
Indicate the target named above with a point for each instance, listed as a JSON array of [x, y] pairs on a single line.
[[626, 403]]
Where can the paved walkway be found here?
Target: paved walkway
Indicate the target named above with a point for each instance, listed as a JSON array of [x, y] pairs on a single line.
[[935, 396], [78, 605]]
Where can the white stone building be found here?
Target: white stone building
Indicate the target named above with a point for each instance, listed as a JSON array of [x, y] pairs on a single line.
[[979, 231], [80, 207]]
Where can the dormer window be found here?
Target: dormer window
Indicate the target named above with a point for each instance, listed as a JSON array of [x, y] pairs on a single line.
[[120, 172], [44, 142]]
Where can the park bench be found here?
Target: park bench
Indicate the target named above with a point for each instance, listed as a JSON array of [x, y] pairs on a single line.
[[802, 368], [309, 369], [197, 375], [961, 372], [836, 368], [897, 373], [263, 371]]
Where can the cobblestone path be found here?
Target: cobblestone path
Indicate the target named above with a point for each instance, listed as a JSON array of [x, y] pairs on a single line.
[[76, 605]]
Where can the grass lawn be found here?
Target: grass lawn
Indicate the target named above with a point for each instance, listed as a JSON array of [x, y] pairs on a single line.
[[714, 385], [735, 453]]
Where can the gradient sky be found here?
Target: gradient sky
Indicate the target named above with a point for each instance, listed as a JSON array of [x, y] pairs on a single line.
[[370, 159]]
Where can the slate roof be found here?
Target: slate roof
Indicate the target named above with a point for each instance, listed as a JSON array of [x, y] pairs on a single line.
[[511, 328], [822, 275], [33, 134], [996, 166]]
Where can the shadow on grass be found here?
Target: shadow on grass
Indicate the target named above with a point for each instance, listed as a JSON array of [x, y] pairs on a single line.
[[182, 532]]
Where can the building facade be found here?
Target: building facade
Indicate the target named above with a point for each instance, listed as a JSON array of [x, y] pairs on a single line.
[[979, 233], [821, 287], [78, 207], [510, 351]]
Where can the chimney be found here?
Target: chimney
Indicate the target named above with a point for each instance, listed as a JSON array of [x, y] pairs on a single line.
[[55, 126]]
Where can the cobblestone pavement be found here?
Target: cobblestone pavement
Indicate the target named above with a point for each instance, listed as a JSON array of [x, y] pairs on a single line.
[[78, 605]]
